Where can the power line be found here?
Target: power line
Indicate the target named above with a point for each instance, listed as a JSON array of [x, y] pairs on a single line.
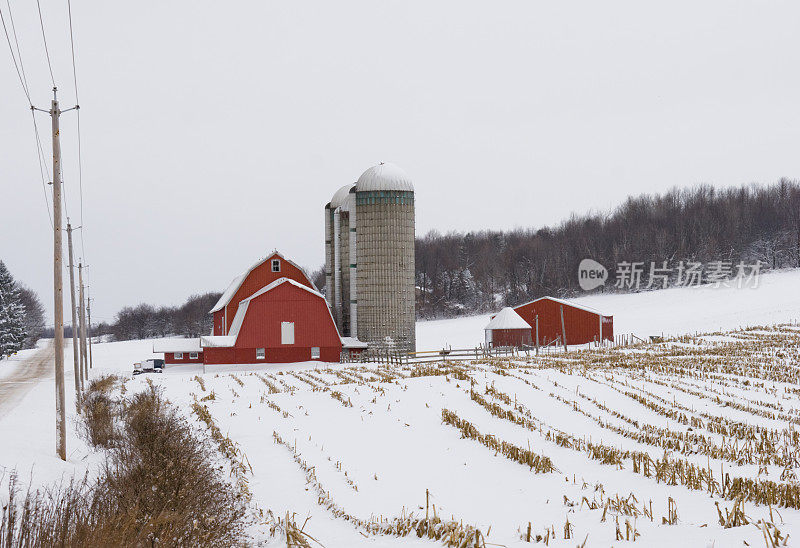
[[44, 39], [53, 80], [77, 102], [23, 79], [63, 194], [19, 67], [72, 47], [42, 166], [14, 58]]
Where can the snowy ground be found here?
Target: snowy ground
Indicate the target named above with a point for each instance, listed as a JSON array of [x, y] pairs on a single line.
[[376, 440], [669, 311]]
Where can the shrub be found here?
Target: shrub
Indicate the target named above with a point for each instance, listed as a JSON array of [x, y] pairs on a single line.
[[159, 486]]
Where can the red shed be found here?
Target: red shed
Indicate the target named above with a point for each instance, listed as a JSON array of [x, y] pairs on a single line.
[[507, 328], [177, 351], [272, 267], [286, 321], [582, 324]]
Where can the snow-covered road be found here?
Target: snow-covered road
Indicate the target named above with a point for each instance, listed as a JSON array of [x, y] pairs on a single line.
[[28, 371]]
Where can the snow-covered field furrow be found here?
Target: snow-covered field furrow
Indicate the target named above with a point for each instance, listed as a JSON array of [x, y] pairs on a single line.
[[375, 440]]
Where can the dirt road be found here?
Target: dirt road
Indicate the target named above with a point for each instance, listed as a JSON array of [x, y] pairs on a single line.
[[35, 368]]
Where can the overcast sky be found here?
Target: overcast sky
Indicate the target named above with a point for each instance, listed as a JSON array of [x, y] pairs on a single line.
[[214, 132]]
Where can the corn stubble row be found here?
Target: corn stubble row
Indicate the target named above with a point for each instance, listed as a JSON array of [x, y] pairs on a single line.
[[742, 371]]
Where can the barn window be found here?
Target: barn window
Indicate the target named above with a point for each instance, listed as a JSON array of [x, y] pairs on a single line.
[[192, 355], [315, 352], [276, 265], [261, 353], [178, 355], [287, 332]]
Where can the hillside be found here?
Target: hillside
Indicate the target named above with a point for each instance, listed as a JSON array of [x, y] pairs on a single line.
[[670, 311], [463, 273]]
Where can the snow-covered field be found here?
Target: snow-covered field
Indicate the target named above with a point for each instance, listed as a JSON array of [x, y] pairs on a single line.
[[625, 429]]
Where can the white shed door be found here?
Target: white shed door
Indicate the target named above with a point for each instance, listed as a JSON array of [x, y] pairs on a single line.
[[287, 332]]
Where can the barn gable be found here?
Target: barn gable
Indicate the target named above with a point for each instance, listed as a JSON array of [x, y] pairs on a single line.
[[286, 321], [258, 276]]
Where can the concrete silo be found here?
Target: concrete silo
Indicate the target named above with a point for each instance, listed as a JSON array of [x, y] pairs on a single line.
[[369, 258]]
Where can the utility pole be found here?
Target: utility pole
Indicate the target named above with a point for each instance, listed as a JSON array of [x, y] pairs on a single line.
[[89, 320], [58, 298], [58, 286], [75, 351], [82, 319]]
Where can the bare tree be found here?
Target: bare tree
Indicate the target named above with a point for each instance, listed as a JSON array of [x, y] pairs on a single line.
[[461, 273]]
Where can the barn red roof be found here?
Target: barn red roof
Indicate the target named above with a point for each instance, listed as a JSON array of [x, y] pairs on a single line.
[[234, 286]]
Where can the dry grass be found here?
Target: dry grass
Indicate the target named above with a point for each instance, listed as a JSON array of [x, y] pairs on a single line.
[[159, 486], [103, 384], [99, 411], [98, 425]]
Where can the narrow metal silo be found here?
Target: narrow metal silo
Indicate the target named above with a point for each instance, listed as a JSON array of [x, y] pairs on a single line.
[[337, 256], [329, 289]]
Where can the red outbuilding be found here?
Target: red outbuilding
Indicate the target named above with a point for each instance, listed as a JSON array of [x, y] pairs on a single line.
[[285, 321], [507, 328], [267, 270], [581, 324], [178, 351]]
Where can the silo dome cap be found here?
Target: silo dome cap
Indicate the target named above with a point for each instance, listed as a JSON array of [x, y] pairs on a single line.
[[340, 196], [384, 177]]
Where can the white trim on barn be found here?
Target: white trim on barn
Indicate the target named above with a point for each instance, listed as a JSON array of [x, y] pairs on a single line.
[[567, 303], [234, 286], [230, 339]]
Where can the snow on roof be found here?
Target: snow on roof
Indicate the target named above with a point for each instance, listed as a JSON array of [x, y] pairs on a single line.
[[216, 341], [241, 311], [238, 280], [228, 294], [233, 334], [507, 319], [176, 345], [568, 303], [352, 342], [384, 177], [272, 286], [340, 196]]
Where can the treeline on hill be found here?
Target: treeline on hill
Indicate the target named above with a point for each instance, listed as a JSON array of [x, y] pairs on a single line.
[[145, 321], [468, 273], [21, 315], [459, 273]]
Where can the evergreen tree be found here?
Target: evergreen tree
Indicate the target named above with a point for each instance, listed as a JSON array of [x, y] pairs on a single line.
[[33, 317], [12, 315]]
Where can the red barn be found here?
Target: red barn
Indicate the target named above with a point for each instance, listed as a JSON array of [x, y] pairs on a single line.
[[582, 324], [260, 275], [286, 321]]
